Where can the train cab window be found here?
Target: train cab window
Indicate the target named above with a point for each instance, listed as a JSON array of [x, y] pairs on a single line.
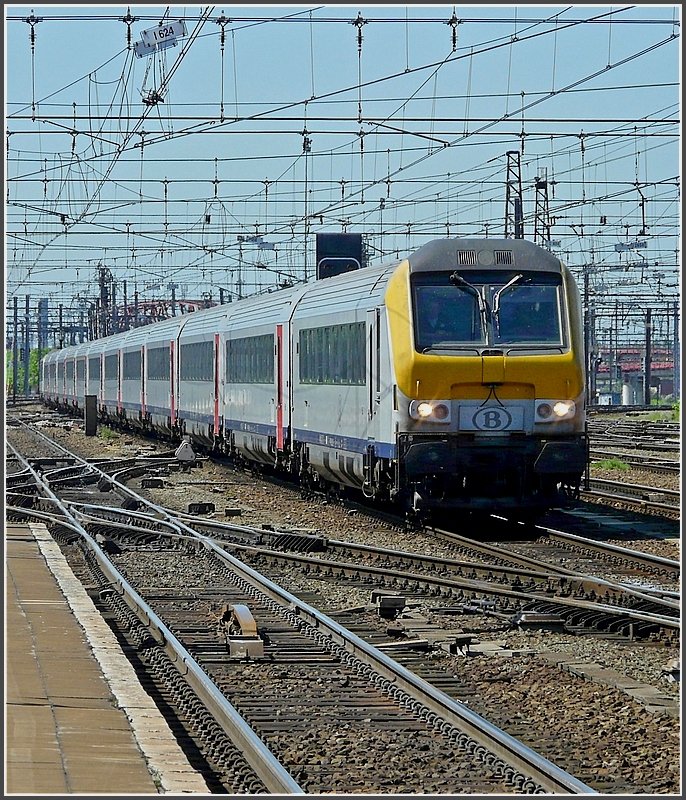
[[445, 315], [528, 314], [475, 309]]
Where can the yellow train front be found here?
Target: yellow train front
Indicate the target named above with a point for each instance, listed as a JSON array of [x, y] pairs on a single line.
[[487, 350]]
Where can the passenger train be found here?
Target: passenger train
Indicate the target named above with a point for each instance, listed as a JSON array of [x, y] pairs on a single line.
[[451, 379]]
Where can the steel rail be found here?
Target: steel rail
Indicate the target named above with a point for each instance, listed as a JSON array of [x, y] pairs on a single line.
[[473, 585], [530, 562], [634, 489], [640, 462], [657, 562], [635, 502], [544, 572], [480, 587], [513, 752]]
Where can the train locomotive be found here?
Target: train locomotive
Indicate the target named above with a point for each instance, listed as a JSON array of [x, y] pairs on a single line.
[[451, 379]]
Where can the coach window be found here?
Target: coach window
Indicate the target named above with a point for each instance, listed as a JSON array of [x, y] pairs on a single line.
[[333, 354], [158, 364], [250, 359], [132, 366], [112, 368], [94, 369], [197, 361], [81, 372]]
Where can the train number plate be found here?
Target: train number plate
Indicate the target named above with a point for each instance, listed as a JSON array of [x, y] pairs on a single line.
[[491, 418]]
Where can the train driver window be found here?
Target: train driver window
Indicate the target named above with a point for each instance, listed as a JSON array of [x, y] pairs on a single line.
[[444, 316], [529, 314]]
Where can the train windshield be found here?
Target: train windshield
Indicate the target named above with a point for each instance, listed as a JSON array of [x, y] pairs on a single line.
[[526, 313], [490, 308], [445, 317]]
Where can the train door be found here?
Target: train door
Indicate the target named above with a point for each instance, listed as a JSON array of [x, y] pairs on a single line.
[[101, 381], [279, 366], [373, 372], [120, 358], [216, 429], [172, 385], [143, 387], [85, 379]]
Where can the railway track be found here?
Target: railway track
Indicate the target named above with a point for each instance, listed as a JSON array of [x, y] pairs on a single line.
[[395, 707], [648, 499], [641, 435], [516, 590], [644, 462]]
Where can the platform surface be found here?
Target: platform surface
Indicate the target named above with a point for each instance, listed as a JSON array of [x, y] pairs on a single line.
[[76, 718]]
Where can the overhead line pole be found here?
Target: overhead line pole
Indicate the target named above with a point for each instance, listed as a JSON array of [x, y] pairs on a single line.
[[27, 346], [15, 350]]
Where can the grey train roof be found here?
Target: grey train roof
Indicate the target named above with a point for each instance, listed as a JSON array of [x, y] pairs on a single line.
[[466, 254]]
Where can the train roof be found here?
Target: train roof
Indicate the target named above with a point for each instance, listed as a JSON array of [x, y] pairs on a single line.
[[466, 254]]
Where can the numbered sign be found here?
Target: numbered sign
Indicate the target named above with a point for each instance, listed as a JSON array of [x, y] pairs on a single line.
[[168, 30]]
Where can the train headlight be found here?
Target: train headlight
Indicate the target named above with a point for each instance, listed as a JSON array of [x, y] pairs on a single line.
[[564, 409], [430, 410], [554, 410]]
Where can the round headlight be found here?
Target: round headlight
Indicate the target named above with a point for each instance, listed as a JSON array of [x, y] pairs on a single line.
[[424, 410], [563, 408]]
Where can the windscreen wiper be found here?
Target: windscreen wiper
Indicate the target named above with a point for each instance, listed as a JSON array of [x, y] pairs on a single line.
[[484, 309], [496, 296]]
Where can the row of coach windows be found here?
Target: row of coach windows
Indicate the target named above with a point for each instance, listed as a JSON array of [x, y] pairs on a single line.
[[94, 369], [158, 364], [131, 369], [333, 354], [111, 368], [250, 360], [197, 361]]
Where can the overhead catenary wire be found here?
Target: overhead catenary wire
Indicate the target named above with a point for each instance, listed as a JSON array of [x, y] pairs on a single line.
[[329, 210]]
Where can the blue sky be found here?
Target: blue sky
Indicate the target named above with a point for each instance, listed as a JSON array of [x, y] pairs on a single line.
[[296, 126]]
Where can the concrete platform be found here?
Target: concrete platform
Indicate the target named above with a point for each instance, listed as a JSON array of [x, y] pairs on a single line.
[[77, 720]]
